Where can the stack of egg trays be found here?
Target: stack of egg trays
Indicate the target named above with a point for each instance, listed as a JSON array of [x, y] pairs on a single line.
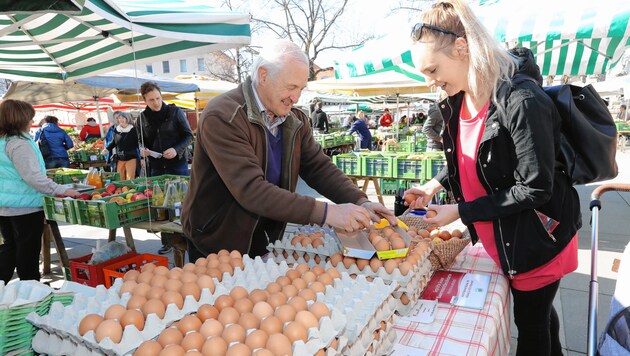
[[256, 274], [17, 300], [365, 304], [330, 247], [413, 289]]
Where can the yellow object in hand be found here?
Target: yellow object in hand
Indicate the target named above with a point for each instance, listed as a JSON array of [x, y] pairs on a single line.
[[381, 224]]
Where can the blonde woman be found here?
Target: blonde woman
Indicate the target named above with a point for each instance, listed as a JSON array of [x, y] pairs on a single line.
[[501, 139]]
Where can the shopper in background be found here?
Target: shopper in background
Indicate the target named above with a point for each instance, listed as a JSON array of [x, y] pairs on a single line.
[[90, 130], [623, 113], [360, 127], [320, 119], [386, 119], [23, 181], [109, 137], [125, 142], [433, 129], [58, 141], [504, 164], [252, 145]]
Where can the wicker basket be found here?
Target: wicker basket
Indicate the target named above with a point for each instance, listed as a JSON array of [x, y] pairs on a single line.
[[443, 254]]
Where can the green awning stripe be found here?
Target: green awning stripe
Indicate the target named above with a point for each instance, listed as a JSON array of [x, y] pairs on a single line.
[[407, 58], [30, 74], [554, 26], [387, 62], [610, 50], [56, 23], [26, 60], [369, 67], [619, 25], [577, 59], [585, 29], [527, 29], [218, 29], [547, 57], [592, 60], [564, 51]]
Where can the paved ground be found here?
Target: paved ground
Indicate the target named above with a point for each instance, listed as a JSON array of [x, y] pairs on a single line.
[[571, 302]]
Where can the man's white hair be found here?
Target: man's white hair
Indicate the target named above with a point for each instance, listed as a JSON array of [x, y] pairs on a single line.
[[275, 55]]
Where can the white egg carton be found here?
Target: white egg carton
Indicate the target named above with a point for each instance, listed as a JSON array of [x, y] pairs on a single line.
[[395, 276], [256, 274], [22, 293], [318, 338], [48, 343], [290, 259], [412, 295], [329, 248], [384, 344]]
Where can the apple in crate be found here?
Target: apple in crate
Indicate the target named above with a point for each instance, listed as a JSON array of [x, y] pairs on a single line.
[[110, 188], [85, 196], [138, 196], [148, 192]]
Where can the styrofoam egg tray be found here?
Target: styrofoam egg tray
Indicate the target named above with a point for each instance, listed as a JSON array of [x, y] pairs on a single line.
[[329, 248], [302, 258], [413, 294], [256, 274], [22, 293]]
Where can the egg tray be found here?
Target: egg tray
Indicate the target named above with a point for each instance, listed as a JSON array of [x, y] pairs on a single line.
[[257, 274], [52, 344], [395, 276], [422, 273], [413, 296], [384, 344], [318, 338], [329, 248], [22, 294], [291, 260]]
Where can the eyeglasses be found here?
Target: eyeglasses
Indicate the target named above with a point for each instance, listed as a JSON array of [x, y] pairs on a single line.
[[416, 31]]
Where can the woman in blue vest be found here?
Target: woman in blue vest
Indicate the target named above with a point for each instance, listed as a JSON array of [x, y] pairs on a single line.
[[23, 181]]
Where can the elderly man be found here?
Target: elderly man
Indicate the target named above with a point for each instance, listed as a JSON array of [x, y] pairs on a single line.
[[251, 147]]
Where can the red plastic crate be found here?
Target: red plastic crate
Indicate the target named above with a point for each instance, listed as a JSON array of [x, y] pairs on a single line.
[[119, 268], [89, 274]]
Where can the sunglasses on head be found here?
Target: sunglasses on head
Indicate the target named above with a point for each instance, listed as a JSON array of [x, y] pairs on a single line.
[[416, 31]]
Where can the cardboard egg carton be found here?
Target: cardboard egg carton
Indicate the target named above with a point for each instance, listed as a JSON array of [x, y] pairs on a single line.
[[384, 344], [48, 343], [256, 274], [413, 291], [319, 338], [22, 294], [307, 258], [329, 248], [395, 276]]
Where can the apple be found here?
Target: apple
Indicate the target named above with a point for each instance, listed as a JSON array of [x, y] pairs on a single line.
[[105, 194], [85, 196], [118, 191], [110, 188], [96, 196], [148, 192]]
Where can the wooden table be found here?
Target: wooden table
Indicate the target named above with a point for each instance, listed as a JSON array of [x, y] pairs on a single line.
[[366, 181], [51, 229]]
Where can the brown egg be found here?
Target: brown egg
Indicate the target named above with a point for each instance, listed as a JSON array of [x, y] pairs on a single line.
[[295, 331], [285, 313], [155, 292], [228, 315], [319, 310], [136, 302], [306, 241], [212, 256], [258, 295], [213, 263], [214, 346], [277, 299], [283, 281], [211, 327], [189, 267], [445, 235], [333, 273], [412, 260], [154, 306], [172, 297], [404, 268], [127, 287], [238, 292], [362, 263], [404, 299], [299, 283], [273, 288], [170, 336], [234, 333], [148, 348], [375, 264], [193, 340], [89, 322], [192, 289], [201, 262], [200, 270], [298, 303], [249, 321], [256, 339], [279, 344], [132, 317], [173, 284], [307, 319], [175, 273], [424, 233], [373, 235], [263, 352], [244, 305], [271, 325], [382, 245], [223, 301], [189, 323], [317, 242], [145, 277], [430, 214], [188, 277], [239, 350], [226, 268], [326, 279], [115, 311], [457, 233], [223, 252], [390, 265], [236, 254], [109, 328], [141, 289], [237, 263], [309, 277], [317, 287], [262, 310], [398, 243], [225, 258], [318, 270], [296, 240], [290, 290], [293, 274], [172, 350], [193, 353], [336, 258], [307, 294], [206, 282], [131, 275], [207, 311]]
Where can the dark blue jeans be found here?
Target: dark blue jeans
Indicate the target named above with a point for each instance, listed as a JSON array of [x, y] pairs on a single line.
[[57, 162], [22, 236]]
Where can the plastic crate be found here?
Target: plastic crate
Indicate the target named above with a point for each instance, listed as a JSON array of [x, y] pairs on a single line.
[[349, 163], [66, 175], [119, 268], [377, 166], [409, 168], [149, 180], [391, 186], [433, 167], [92, 275], [110, 215], [60, 209]]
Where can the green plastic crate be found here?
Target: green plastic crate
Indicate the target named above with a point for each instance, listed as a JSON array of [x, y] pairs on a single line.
[[409, 168], [349, 163], [110, 215], [391, 186], [433, 167], [60, 209], [377, 166]]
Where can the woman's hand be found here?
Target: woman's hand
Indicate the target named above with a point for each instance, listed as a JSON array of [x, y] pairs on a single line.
[[446, 214], [71, 193], [419, 197]]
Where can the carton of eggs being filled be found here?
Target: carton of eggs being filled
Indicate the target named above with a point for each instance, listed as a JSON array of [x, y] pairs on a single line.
[[311, 244]]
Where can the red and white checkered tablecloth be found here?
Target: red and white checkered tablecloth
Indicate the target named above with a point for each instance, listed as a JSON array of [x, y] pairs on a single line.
[[462, 331]]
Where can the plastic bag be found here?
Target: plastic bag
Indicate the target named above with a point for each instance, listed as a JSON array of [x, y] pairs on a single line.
[[108, 251]]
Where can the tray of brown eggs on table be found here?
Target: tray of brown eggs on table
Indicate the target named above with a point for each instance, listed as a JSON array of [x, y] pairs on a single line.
[[310, 244]]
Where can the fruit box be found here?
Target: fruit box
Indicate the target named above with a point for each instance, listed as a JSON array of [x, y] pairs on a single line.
[[60, 209], [109, 214], [119, 268], [92, 275]]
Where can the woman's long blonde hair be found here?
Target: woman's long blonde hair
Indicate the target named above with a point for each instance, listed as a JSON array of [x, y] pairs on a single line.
[[490, 63]]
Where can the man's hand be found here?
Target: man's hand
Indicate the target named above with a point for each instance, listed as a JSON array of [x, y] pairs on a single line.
[[378, 211], [446, 214], [347, 217], [419, 197], [170, 153], [144, 152]]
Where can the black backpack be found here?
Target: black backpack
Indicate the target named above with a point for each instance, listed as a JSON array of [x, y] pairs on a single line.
[[589, 134]]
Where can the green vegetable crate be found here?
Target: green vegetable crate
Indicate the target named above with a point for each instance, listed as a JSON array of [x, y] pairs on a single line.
[[111, 215]]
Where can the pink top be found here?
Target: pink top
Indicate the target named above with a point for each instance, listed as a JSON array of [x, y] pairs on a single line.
[[470, 131]]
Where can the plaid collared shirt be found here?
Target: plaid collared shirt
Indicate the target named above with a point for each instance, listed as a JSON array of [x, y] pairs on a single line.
[[271, 126]]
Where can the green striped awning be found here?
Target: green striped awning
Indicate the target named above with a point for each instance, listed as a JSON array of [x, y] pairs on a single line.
[[109, 35], [567, 37]]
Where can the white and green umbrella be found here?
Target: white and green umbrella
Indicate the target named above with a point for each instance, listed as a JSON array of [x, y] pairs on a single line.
[[567, 37], [112, 34]]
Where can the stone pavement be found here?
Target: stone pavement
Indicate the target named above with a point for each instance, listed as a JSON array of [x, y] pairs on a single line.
[[571, 301]]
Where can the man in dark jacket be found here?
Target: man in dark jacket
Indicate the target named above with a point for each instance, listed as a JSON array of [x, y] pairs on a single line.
[[360, 127], [320, 118], [433, 129], [58, 141]]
